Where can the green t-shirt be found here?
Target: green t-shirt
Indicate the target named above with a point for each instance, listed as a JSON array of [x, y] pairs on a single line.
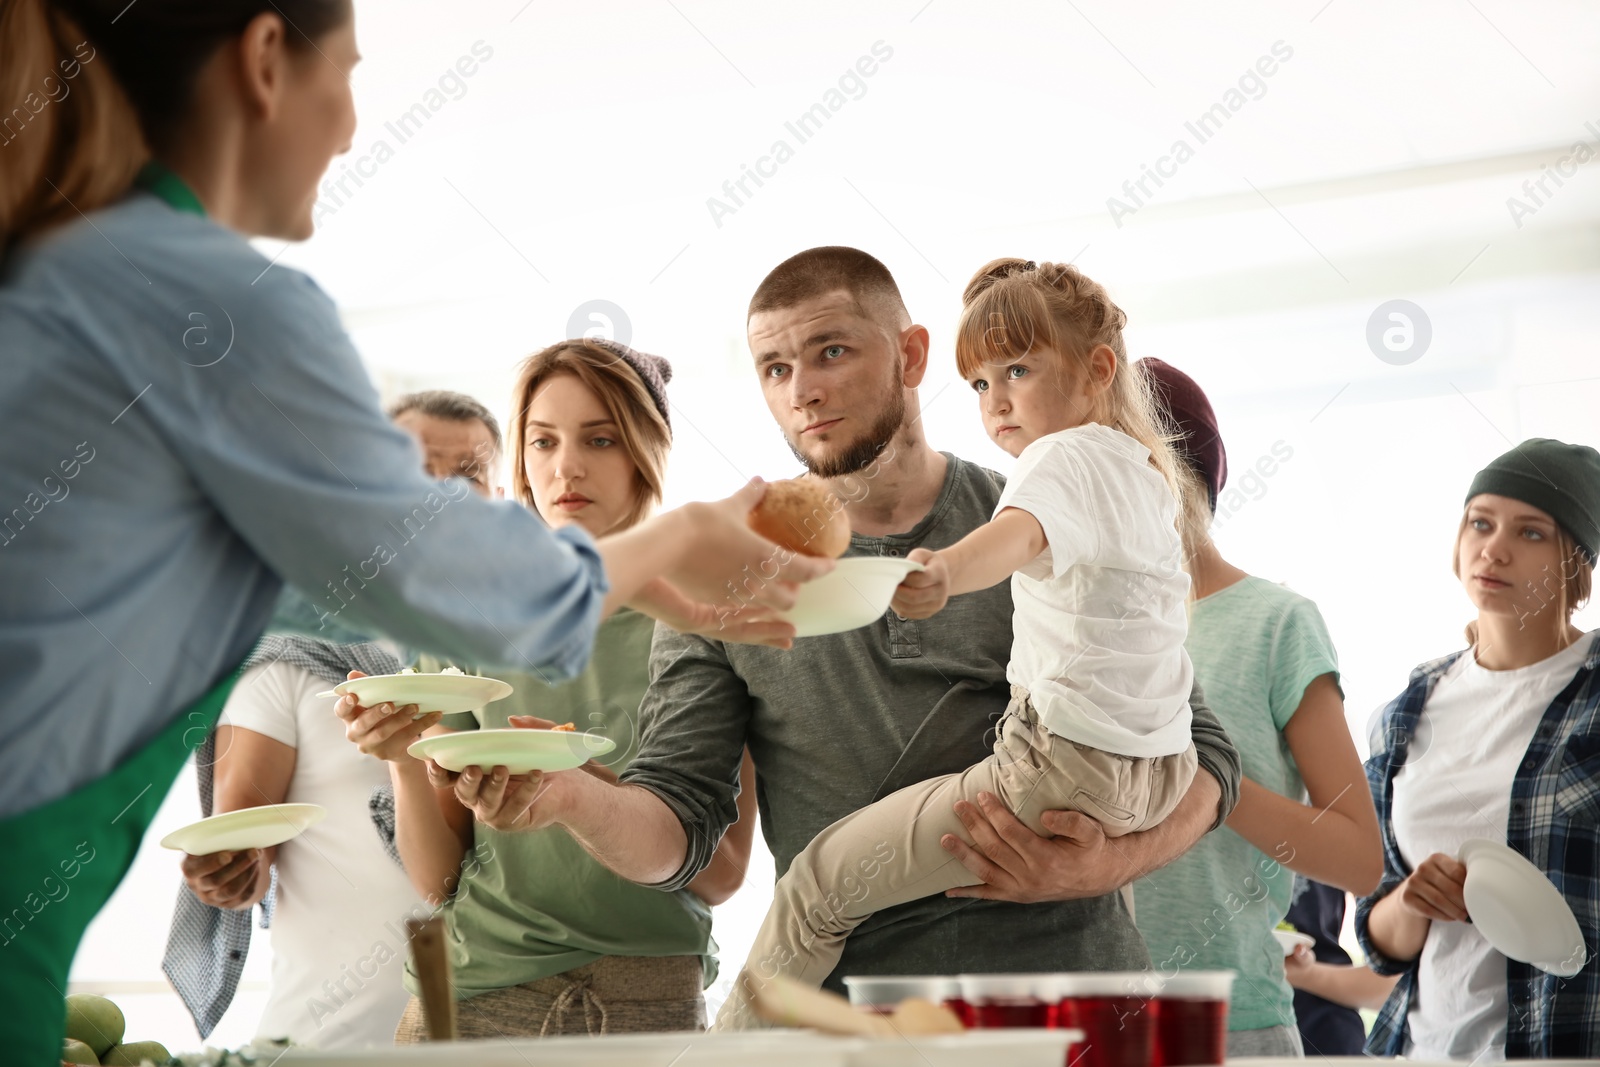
[[531, 905], [1255, 647]]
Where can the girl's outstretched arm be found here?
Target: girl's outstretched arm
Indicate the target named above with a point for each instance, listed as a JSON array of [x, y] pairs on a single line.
[[986, 556]]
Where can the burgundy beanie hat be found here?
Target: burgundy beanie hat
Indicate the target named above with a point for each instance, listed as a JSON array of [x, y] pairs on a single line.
[[654, 371], [1185, 409]]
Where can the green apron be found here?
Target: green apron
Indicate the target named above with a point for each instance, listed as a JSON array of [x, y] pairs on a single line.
[[60, 863]]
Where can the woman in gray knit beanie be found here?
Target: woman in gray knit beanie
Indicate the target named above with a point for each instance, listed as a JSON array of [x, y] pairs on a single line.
[[1491, 754]]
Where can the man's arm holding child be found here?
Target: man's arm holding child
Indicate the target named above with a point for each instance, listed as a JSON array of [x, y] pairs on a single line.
[[1019, 865]]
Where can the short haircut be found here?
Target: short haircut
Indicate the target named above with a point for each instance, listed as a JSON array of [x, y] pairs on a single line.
[[447, 404], [831, 268]]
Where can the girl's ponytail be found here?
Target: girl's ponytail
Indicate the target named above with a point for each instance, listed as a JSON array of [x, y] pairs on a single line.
[[70, 142]]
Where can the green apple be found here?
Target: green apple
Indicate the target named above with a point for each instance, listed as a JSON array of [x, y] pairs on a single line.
[[77, 1052], [95, 1021], [136, 1052]]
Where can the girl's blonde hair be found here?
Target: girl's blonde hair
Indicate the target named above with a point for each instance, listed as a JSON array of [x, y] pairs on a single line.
[[1569, 590], [1014, 306], [642, 430]]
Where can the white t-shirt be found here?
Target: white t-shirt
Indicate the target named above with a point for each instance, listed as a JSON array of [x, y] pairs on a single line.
[[1456, 785], [1101, 613], [338, 934]]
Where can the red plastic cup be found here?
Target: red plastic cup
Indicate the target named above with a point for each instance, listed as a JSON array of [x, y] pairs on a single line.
[[1113, 1010], [1191, 1016], [964, 1011], [1005, 1001]]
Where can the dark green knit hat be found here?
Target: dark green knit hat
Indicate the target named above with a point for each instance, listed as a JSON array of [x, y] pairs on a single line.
[[1559, 479]]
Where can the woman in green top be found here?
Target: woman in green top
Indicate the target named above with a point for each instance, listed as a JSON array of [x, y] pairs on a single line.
[[1268, 667], [544, 940]]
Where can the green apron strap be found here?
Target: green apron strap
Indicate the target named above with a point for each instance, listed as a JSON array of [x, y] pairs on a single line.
[[158, 180], [61, 863]]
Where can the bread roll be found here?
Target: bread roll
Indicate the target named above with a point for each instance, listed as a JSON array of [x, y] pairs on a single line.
[[802, 516]]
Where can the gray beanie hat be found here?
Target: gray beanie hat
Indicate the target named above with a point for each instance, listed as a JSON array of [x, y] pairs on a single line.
[[1557, 478], [654, 371]]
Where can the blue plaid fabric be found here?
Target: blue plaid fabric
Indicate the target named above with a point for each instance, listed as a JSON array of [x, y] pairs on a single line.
[[1554, 822]]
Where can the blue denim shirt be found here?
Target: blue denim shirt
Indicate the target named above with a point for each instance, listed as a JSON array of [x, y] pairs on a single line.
[[1554, 822], [185, 428]]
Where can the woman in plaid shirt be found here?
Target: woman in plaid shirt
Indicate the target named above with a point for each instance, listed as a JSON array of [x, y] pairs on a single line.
[[1502, 743]]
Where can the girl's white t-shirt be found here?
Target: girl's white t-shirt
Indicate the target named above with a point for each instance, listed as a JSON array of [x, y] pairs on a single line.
[[1101, 613], [339, 940], [1456, 785]]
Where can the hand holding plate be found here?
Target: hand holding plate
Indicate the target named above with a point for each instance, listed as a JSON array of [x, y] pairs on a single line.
[[503, 801], [925, 592], [383, 730], [1436, 889], [224, 879]]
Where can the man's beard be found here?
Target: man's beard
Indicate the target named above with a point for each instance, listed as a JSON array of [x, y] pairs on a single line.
[[861, 452]]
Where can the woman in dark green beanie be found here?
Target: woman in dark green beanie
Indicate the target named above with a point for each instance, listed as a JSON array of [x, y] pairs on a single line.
[[1500, 741]]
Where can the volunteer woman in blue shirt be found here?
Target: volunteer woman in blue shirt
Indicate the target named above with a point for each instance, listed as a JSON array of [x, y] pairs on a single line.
[[1500, 741], [186, 428]]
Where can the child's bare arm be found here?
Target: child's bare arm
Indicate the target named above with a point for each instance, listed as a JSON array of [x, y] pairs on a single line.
[[984, 557]]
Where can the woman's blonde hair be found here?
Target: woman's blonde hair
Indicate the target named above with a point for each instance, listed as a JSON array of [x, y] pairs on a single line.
[[642, 430], [74, 153], [1014, 306], [1570, 590]]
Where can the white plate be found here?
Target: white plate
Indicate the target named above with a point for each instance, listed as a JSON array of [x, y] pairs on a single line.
[[1519, 911], [518, 751], [854, 594], [449, 693], [263, 827], [1289, 939]]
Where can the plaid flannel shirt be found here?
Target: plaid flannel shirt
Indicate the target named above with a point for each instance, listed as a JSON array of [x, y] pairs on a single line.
[[1554, 822]]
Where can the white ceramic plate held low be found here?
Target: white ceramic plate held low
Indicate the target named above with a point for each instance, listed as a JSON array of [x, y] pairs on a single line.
[[1519, 911], [855, 593], [518, 751], [263, 827], [449, 693], [1289, 939]]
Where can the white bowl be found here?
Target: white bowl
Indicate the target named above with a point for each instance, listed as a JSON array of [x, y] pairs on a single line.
[[854, 594]]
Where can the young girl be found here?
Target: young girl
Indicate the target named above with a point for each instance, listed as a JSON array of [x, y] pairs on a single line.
[[544, 939], [1099, 715], [1265, 660], [1500, 741]]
